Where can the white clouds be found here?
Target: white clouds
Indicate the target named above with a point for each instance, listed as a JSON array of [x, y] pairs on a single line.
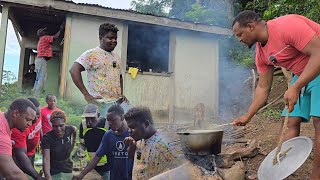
[[12, 53], [12, 46]]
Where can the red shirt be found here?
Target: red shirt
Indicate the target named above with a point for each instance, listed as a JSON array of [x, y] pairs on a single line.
[[45, 117], [30, 138], [288, 35], [5, 136], [44, 47]]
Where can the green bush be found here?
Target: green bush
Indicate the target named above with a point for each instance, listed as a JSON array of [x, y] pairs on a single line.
[[10, 92], [271, 113]]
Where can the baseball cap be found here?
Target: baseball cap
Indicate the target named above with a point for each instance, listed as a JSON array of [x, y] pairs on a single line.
[[91, 110], [40, 31]]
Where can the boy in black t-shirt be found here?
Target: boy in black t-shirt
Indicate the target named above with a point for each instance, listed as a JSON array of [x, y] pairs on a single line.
[[57, 146]]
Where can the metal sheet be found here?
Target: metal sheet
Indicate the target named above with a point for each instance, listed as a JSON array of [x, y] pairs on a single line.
[[301, 149]]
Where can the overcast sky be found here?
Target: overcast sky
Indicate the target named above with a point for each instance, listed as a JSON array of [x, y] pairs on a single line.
[[13, 49]]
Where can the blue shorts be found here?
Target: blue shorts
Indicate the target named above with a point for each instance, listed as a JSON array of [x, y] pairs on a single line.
[[308, 103]]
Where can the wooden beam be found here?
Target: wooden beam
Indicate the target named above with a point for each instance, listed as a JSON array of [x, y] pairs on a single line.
[[122, 15], [3, 37], [124, 49], [65, 56], [16, 24]]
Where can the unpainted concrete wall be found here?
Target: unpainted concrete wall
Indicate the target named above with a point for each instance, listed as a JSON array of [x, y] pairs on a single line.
[[196, 74]]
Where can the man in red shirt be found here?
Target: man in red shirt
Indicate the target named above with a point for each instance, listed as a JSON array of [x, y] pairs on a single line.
[[44, 50], [20, 115], [51, 100], [291, 42], [26, 143]]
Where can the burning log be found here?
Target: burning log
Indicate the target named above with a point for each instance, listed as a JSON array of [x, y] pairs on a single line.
[[251, 151], [227, 160]]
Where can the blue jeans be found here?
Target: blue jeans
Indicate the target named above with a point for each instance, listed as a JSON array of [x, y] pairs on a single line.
[[41, 78]]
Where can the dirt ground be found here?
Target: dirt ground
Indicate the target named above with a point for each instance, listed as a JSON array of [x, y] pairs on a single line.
[[268, 122], [267, 136]]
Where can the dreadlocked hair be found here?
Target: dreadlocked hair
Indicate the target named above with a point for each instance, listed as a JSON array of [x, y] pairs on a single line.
[[57, 115]]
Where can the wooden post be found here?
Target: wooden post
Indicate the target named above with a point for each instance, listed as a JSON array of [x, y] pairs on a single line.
[[123, 56], [65, 57], [21, 64], [3, 37], [171, 68]]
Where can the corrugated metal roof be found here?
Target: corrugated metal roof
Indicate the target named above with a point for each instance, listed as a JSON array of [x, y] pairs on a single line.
[[132, 11], [63, 6]]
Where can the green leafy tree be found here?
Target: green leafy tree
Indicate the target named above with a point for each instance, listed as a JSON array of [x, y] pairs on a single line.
[[8, 77], [271, 9], [154, 7], [308, 8], [9, 91], [208, 13], [179, 8]]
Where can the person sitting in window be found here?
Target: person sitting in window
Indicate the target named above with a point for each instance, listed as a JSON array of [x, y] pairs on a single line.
[[29, 78], [57, 146]]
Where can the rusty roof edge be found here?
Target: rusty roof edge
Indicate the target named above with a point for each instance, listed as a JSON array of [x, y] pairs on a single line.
[[101, 11]]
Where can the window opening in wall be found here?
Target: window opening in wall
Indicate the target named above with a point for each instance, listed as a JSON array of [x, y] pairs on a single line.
[[148, 48]]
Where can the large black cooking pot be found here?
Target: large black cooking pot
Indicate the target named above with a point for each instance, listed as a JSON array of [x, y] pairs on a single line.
[[201, 142]]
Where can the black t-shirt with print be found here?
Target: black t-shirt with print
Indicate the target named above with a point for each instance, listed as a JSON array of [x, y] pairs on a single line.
[[60, 150]]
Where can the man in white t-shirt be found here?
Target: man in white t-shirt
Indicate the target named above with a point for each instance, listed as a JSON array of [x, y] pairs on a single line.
[[105, 82]]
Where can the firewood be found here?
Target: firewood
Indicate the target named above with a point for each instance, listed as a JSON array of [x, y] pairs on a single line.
[[236, 172], [224, 161], [251, 151]]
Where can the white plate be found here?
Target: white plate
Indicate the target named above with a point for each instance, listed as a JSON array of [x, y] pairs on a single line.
[[301, 149]]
